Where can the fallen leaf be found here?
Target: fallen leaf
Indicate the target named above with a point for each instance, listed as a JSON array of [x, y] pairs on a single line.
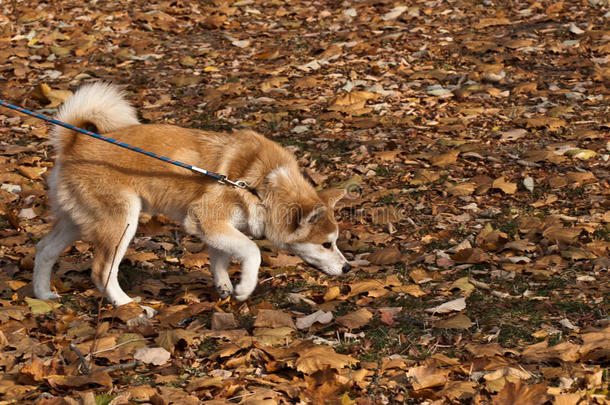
[[268, 318], [355, 319], [425, 377], [318, 316], [385, 256], [168, 339], [519, 392], [41, 307], [459, 321], [449, 306], [507, 187], [152, 355], [320, 357], [54, 97]]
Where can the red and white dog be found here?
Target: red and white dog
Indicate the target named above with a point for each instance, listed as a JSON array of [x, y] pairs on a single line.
[[98, 190]]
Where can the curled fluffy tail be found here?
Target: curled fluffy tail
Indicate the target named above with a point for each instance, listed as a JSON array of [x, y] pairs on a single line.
[[99, 107]]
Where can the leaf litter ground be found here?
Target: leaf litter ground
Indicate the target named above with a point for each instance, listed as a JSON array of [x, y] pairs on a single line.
[[472, 138]]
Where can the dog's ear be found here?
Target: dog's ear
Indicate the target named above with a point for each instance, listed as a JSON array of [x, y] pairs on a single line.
[[331, 196], [314, 216]]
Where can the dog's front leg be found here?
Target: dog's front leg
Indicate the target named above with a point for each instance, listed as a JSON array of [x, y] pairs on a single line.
[[233, 244], [250, 258], [219, 263]]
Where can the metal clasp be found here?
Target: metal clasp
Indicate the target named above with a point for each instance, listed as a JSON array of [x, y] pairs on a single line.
[[237, 183]]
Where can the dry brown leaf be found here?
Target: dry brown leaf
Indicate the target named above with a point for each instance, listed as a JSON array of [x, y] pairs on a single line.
[[204, 382], [420, 276], [356, 319], [318, 316], [223, 321], [100, 379], [366, 286], [427, 377], [507, 187], [152, 355], [519, 392], [444, 159], [54, 97], [321, 357], [168, 339], [471, 255], [459, 321], [268, 318], [385, 256], [449, 306]]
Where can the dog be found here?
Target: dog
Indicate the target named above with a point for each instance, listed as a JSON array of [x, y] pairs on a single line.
[[98, 190]]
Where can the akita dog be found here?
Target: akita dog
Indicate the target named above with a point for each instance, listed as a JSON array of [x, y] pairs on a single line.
[[97, 191]]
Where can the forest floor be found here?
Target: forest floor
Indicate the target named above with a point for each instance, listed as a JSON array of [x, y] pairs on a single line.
[[472, 136]]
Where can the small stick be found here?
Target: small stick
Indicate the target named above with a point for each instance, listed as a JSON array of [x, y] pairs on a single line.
[[119, 367], [80, 356], [272, 277], [116, 346]]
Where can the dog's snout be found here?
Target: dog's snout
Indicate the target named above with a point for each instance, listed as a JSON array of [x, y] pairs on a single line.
[[346, 267]]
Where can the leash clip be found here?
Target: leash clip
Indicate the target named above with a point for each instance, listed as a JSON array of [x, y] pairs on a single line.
[[238, 183]]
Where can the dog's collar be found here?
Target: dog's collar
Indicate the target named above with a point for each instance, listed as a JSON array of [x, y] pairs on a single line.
[[253, 191]]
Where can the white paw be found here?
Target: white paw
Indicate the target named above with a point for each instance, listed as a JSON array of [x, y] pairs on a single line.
[[242, 292], [47, 295], [150, 312], [224, 290]]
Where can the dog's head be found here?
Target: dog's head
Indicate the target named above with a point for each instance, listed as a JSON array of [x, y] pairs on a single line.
[[315, 236]]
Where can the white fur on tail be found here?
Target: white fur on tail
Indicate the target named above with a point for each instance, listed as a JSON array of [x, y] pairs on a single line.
[[101, 104]]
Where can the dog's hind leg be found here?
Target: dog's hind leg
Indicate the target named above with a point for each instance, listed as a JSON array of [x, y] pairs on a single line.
[[219, 263], [63, 234], [111, 238]]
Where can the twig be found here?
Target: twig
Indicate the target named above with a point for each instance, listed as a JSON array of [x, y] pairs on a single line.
[[119, 367], [115, 346], [272, 277], [80, 356]]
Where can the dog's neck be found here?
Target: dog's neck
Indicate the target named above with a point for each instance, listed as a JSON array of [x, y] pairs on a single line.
[[285, 195]]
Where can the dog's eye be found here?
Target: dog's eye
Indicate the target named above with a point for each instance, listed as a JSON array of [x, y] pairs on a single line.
[[327, 245]]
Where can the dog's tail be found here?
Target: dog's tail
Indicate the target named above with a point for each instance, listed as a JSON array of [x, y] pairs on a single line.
[[99, 107]]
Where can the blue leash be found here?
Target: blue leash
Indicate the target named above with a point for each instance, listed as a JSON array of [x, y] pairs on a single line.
[[220, 177]]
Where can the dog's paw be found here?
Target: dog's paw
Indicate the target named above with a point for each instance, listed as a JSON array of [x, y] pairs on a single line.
[[242, 292], [224, 290], [47, 295]]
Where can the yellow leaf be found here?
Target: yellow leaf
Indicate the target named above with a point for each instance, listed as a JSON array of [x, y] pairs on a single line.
[[332, 293], [41, 307], [464, 285], [55, 97], [346, 400], [582, 154]]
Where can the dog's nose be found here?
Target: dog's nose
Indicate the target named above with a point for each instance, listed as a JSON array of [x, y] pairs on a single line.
[[346, 267]]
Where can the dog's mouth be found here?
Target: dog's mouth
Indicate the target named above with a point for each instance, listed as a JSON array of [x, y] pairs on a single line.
[[331, 272]]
